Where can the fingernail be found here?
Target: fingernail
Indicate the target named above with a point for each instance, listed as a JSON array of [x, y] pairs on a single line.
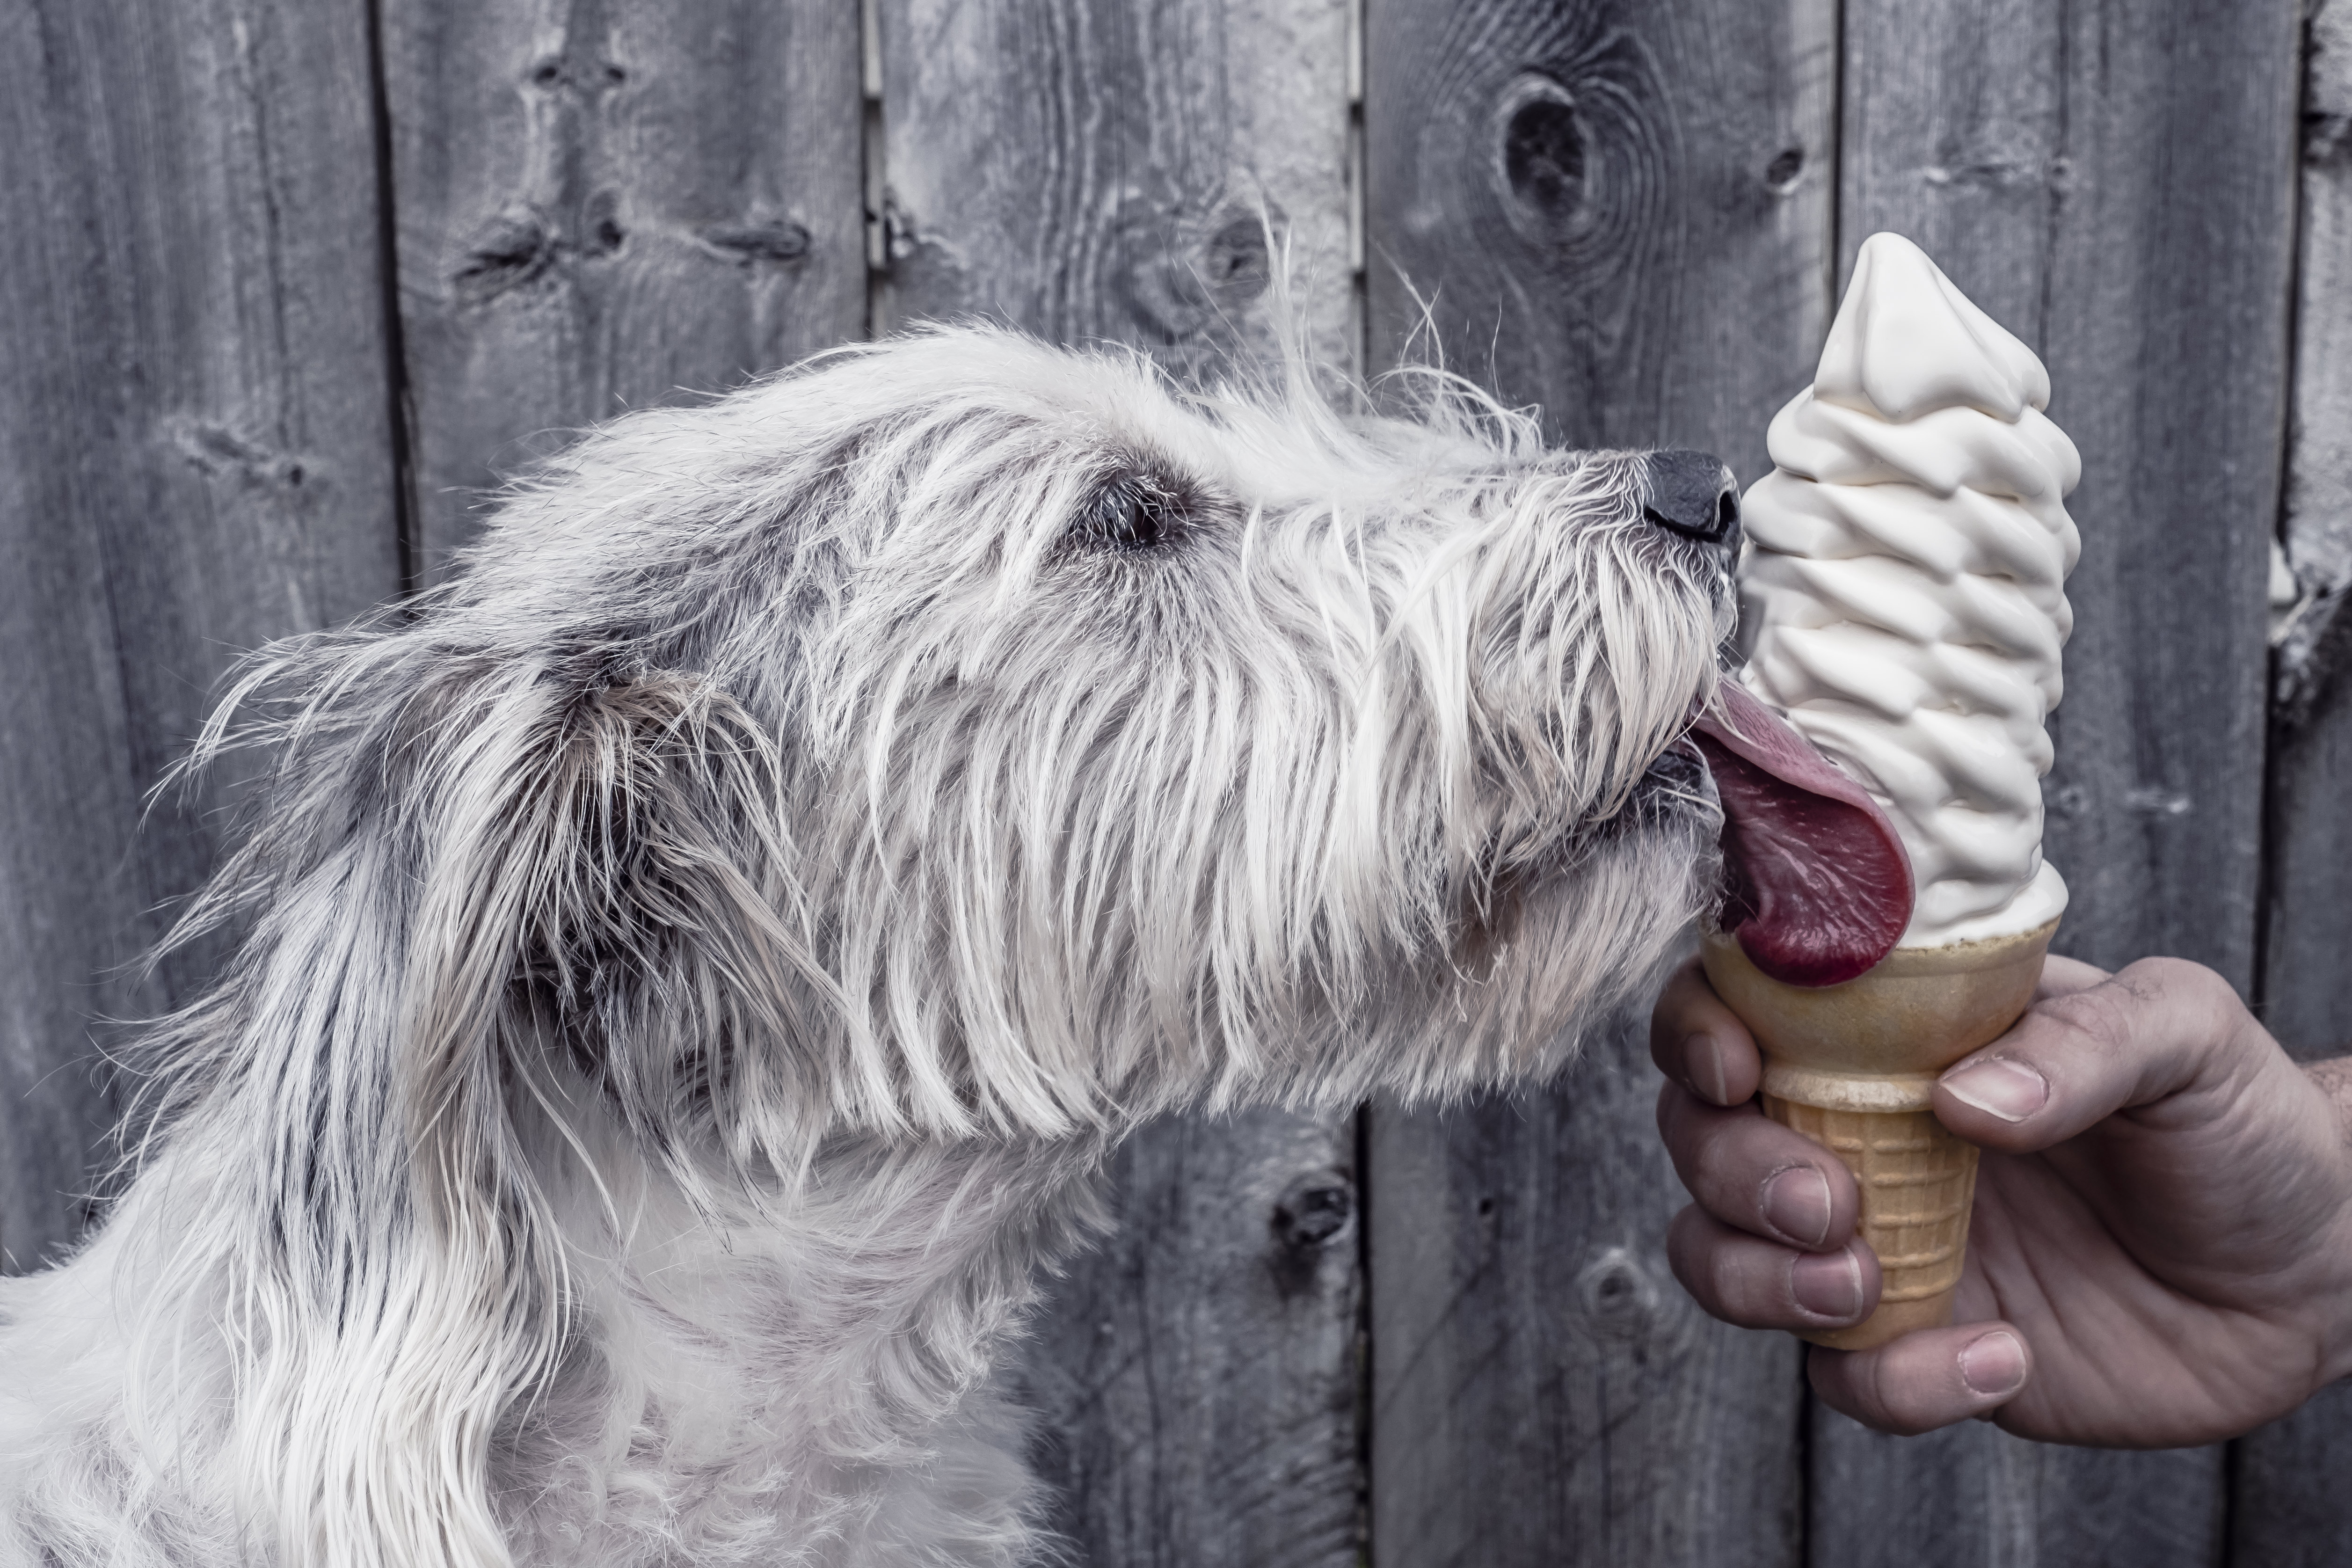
[[1827, 1284], [1994, 1364], [2010, 1091], [1706, 1060], [1797, 1204]]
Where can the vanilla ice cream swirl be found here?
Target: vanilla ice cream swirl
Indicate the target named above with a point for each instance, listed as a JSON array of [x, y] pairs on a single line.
[[1903, 590]]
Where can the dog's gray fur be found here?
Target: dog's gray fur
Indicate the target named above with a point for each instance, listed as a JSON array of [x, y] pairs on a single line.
[[694, 963]]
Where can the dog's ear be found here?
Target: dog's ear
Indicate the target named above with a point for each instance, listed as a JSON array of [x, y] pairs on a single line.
[[485, 896], [623, 878], [611, 883]]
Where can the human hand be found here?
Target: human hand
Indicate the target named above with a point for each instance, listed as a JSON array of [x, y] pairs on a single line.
[[2161, 1248]]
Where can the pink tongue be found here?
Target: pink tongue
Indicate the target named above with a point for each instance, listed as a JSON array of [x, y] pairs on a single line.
[[1820, 887]]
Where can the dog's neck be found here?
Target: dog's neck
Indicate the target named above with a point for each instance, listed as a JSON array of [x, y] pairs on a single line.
[[819, 1354], [806, 1378]]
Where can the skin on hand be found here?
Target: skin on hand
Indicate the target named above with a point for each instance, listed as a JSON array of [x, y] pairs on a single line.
[[2161, 1248]]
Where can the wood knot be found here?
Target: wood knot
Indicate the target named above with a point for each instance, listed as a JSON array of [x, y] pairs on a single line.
[[1315, 1210], [1185, 276], [513, 249], [554, 73], [600, 225], [218, 452], [777, 242], [1540, 151], [1316, 1213], [1615, 1297], [1579, 162]]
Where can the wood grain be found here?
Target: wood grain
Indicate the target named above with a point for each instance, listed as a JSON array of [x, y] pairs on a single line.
[[196, 456], [1623, 211], [1107, 169], [1543, 1391], [607, 204], [2114, 183], [2307, 986], [1620, 211], [1972, 1494], [1192, 1379], [1632, 212], [2289, 1504]]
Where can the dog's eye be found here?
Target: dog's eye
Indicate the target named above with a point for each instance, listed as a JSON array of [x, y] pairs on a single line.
[[1132, 510]]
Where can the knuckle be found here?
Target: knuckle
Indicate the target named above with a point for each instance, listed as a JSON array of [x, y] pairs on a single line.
[[1725, 1173], [1741, 1293], [2164, 973], [2096, 1024], [1666, 1053], [1686, 1254], [1682, 1128], [1757, 1280], [1720, 1271], [1661, 1032], [2177, 984], [1859, 1385]]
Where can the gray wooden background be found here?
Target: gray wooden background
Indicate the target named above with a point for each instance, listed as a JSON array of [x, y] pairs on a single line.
[[286, 284]]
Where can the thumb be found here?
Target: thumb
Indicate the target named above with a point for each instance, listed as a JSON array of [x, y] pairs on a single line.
[[2159, 1028]]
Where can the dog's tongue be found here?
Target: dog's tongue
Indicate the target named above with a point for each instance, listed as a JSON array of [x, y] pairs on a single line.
[[1820, 885]]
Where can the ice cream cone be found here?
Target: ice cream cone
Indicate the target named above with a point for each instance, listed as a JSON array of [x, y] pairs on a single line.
[[1853, 1067]]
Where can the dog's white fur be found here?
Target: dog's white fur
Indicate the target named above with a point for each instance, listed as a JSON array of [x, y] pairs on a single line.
[[694, 963]]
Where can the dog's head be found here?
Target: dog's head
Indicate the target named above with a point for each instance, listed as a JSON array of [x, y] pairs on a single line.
[[1078, 747], [961, 737]]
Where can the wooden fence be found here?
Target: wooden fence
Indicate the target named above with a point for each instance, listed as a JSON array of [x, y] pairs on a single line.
[[284, 284]]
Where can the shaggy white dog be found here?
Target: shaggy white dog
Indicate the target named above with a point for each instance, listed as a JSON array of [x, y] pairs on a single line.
[[693, 964]]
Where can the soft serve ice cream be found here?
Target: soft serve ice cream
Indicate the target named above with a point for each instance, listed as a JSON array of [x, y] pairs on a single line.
[[1902, 591]]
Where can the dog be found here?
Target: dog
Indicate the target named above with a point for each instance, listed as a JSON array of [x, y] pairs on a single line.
[[691, 965]]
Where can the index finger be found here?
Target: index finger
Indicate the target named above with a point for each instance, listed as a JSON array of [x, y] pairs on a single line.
[[1700, 1043]]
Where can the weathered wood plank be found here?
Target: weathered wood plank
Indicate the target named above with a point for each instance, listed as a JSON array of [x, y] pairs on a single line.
[[2288, 1504], [1542, 1390], [1972, 1494], [606, 204], [1620, 211], [2113, 183], [1097, 169], [1623, 211], [1192, 1380], [2307, 986], [196, 456], [2307, 959]]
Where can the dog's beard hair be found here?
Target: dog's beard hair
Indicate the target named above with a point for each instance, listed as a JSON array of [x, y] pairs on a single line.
[[1243, 850], [788, 821]]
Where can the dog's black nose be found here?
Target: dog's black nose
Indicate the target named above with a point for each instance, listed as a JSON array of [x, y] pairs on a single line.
[[1694, 495]]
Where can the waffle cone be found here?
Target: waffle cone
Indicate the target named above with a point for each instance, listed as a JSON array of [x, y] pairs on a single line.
[[1853, 1066]]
